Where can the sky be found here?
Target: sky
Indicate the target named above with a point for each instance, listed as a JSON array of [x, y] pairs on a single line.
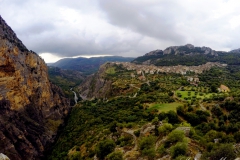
[[58, 28]]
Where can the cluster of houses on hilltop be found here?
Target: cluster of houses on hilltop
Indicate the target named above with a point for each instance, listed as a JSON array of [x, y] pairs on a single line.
[[151, 69]]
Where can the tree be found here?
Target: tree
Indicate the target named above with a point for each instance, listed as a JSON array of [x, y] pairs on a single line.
[[115, 156], [165, 129], [146, 146], [104, 148], [225, 151], [172, 117], [214, 88], [162, 116], [179, 149], [174, 137]]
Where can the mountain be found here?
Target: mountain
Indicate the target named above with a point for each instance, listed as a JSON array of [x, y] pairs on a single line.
[[180, 55], [31, 108], [235, 51], [88, 65]]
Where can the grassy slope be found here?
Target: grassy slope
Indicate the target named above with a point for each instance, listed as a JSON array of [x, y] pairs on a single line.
[[165, 107]]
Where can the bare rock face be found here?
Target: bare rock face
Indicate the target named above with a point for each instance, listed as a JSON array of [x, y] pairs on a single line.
[[189, 49], [31, 108], [154, 53], [96, 86]]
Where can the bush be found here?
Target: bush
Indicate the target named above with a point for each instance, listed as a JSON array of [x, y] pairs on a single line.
[[180, 149], [137, 133], [150, 153], [147, 142], [165, 129], [115, 156], [174, 137], [223, 151], [146, 146], [161, 150], [104, 148]]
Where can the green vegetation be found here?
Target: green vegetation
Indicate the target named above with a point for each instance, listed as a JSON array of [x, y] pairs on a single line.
[[115, 156], [196, 59], [167, 117], [88, 66], [66, 79], [111, 70], [104, 148], [165, 107], [146, 146]]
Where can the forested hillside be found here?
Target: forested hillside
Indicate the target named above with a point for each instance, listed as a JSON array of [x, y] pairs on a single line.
[[156, 115]]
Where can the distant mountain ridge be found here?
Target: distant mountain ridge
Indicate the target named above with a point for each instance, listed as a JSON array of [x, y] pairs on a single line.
[[235, 51], [188, 55], [88, 65], [182, 50]]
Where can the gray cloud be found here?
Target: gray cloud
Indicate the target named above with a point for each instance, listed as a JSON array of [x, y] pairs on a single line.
[[141, 19], [122, 27]]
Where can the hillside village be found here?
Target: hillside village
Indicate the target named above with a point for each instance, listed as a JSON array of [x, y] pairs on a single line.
[[152, 69]]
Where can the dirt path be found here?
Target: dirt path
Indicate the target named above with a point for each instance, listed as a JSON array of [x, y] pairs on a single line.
[[202, 107], [131, 132]]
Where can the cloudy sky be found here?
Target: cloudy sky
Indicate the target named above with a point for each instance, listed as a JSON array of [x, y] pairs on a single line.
[[69, 28]]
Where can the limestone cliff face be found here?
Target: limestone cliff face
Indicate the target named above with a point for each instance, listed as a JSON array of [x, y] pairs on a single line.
[[96, 85], [31, 108]]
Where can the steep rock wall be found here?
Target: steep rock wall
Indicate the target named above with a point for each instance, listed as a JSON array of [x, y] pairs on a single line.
[[31, 108]]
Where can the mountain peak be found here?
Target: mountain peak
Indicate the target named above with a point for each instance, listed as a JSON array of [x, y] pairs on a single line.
[[190, 46], [189, 49], [7, 33], [154, 53], [235, 50]]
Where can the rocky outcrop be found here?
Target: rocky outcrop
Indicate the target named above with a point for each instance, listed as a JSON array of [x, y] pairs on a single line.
[[183, 55], [96, 85], [154, 53], [3, 157], [31, 107], [189, 49]]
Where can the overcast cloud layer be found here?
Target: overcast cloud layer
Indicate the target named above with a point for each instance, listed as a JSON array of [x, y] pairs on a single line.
[[130, 28]]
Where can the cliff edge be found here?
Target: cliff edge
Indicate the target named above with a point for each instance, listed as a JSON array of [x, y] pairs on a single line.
[[31, 108]]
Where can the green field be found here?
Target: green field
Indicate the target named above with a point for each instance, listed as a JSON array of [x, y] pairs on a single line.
[[164, 107], [193, 94], [111, 70]]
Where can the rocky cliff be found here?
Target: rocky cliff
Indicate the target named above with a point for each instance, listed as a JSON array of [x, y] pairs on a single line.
[[31, 108], [96, 85], [189, 49], [182, 55]]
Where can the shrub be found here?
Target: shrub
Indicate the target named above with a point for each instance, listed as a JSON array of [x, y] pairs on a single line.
[[180, 149], [115, 156], [165, 129], [146, 146], [104, 148], [137, 133], [223, 151]]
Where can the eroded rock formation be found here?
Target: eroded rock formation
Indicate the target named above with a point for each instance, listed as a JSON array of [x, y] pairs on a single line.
[[31, 108]]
